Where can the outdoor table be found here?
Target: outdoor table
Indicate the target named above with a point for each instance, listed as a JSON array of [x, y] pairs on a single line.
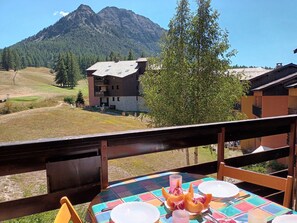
[[148, 189]]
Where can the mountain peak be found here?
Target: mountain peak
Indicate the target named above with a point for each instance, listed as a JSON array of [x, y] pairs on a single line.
[[83, 7], [83, 10]]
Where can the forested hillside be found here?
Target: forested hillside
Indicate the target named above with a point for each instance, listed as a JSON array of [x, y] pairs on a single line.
[[92, 36]]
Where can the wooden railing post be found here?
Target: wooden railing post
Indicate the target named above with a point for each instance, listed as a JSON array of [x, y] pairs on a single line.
[[294, 195], [221, 147], [104, 164], [292, 166], [291, 160], [292, 142]]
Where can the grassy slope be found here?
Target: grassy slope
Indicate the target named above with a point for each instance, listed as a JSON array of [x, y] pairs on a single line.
[[34, 81], [61, 121]]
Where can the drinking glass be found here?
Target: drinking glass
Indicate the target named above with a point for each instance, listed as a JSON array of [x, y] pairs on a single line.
[[180, 216], [173, 179]]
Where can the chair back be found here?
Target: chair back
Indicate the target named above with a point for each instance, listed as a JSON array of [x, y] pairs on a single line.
[[67, 212], [265, 180]]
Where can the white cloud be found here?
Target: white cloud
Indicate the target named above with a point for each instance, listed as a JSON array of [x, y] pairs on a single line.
[[61, 13]]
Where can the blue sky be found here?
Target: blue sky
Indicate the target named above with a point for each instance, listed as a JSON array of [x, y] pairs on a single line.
[[264, 32]]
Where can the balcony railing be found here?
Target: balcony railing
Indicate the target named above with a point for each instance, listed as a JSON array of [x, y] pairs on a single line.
[[292, 111], [27, 156], [101, 93], [101, 82], [257, 111]]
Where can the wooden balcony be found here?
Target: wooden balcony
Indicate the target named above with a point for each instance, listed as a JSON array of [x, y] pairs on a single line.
[[101, 82], [101, 93], [257, 111], [292, 111], [27, 156]]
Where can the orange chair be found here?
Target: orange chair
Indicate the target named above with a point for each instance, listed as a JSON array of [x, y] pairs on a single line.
[[274, 182], [67, 212]]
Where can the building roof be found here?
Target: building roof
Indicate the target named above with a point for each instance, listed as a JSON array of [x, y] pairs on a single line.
[[141, 59], [294, 85], [250, 73], [276, 82], [261, 149], [278, 69], [116, 69]]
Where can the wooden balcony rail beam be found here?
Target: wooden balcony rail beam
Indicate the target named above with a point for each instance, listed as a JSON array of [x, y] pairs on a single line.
[[27, 156]]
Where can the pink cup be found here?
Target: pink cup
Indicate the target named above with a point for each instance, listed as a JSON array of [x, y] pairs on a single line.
[[173, 179], [180, 216]]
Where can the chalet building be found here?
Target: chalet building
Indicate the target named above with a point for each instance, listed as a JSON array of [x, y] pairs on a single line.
[[273, 93], [115, 84]]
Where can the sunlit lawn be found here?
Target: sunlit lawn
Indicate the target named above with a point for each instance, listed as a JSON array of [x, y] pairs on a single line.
[[61, 121], [35, 81]]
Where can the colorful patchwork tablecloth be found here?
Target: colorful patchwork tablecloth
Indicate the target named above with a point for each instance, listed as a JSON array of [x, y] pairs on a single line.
[[148, 189]]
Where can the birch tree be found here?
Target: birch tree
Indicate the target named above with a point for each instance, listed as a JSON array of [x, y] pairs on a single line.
[[189, 83]]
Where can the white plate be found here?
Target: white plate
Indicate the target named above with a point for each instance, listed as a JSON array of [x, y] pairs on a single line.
[[135, 212], [289, 218], [219, 189]]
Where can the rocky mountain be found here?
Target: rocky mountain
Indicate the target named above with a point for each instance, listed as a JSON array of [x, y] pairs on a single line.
[[85, 32]]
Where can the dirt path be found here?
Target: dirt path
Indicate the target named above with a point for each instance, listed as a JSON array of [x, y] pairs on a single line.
[[8, 117]]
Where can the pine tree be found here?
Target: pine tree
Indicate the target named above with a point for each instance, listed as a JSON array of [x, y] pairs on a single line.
[[24, 62], [130, 55], [111, 56], [10, 59], [73, 73], [61, 72], [67, 70], [80, 99], [5, 59], [1, 54], [16, 60]]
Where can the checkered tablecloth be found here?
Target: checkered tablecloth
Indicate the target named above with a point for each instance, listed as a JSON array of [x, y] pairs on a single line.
[[148, 189]]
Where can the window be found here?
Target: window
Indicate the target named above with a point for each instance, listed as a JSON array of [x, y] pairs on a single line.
[[112, 98], [118, 98], [117, 87], [112, 87]]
